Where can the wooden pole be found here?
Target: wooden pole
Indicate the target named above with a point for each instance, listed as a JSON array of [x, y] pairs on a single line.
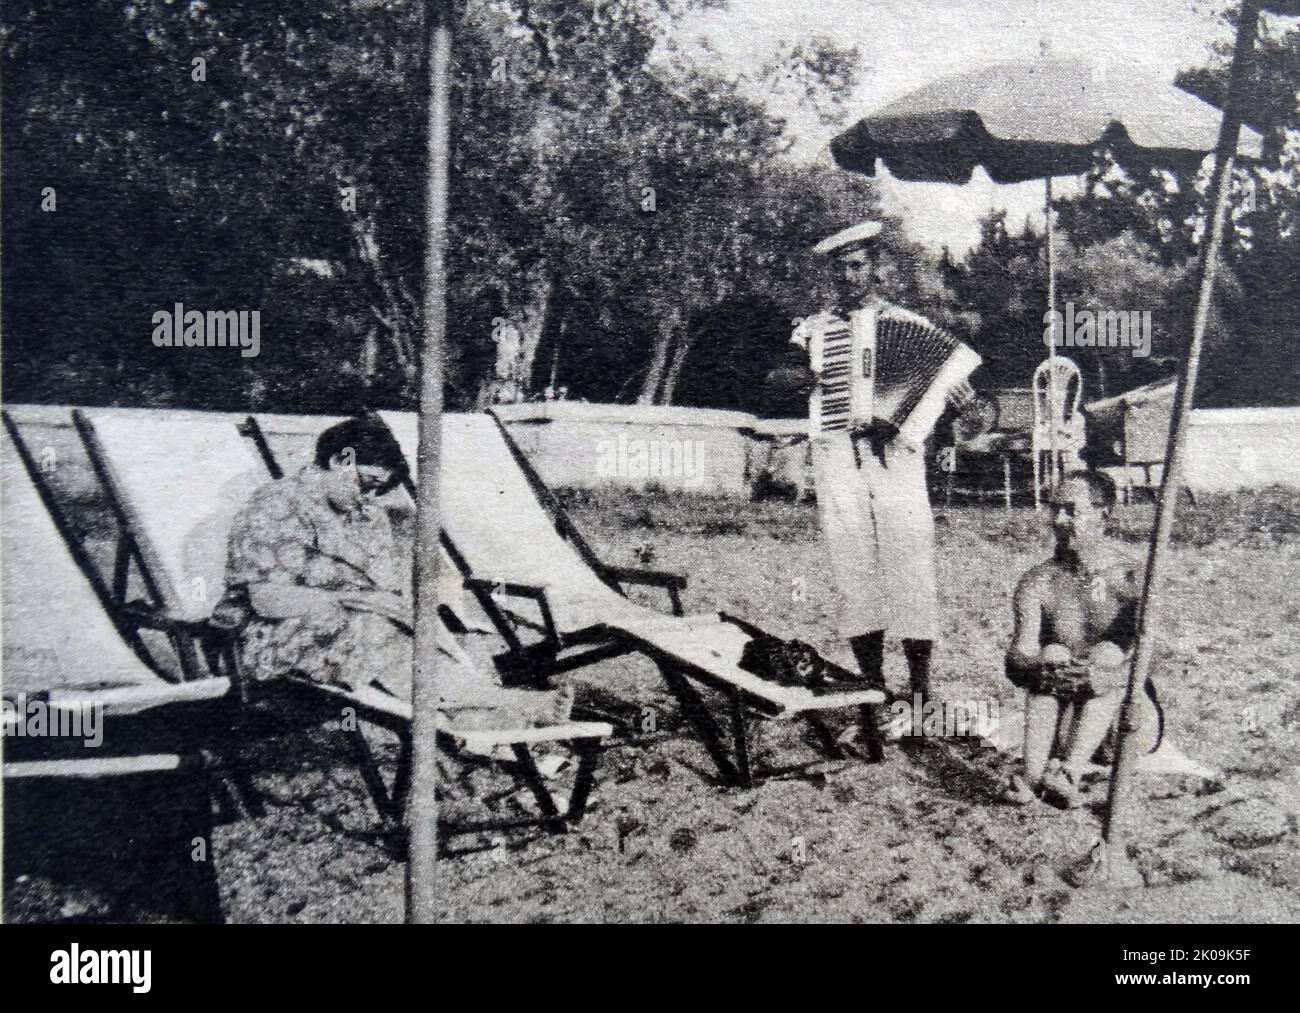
[[1132, 715], [422, 801], [1049, 236], [1052, 407]]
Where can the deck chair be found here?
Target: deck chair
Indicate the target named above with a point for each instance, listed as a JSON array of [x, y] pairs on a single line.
[[64, 650], [534, 575], [173, 517], [176, 484]]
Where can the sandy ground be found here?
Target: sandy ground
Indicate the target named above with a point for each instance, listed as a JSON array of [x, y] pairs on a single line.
[[917, 838]]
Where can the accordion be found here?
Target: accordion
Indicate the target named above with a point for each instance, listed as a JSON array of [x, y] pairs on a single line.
[[885, 363]]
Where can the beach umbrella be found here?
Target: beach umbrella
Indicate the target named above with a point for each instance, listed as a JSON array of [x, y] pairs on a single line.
[[1036, 119], [422, 805]]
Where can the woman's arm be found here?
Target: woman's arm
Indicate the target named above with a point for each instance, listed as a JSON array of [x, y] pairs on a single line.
[[286, 601]]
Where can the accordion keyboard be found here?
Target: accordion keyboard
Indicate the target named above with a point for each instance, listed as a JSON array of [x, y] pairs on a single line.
[[836, 402]]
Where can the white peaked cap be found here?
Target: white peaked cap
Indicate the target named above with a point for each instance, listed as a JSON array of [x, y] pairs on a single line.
[[851, 236]]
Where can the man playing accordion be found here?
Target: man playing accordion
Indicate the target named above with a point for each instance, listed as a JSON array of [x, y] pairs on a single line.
[[879, 378]]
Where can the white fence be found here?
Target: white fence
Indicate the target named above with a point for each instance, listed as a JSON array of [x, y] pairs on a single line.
[[1243, 448], [580, 445]]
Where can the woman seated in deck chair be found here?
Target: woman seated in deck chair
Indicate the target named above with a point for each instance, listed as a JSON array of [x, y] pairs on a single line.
[[316, 590]]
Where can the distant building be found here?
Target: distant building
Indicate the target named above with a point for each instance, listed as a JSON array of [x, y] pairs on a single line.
[[1228, 448]]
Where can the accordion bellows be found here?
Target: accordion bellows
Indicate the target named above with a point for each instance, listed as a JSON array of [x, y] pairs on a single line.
[[885, 363]]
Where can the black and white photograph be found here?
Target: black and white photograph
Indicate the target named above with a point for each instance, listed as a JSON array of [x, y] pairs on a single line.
[[652, 461]]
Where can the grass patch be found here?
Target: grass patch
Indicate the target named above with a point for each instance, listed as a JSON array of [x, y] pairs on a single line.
[[1255, 518], [691, 513]]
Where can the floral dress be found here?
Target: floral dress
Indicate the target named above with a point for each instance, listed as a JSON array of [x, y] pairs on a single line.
[[290, 533]]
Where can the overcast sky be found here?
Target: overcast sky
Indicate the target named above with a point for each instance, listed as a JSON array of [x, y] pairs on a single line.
[[907, 43]]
